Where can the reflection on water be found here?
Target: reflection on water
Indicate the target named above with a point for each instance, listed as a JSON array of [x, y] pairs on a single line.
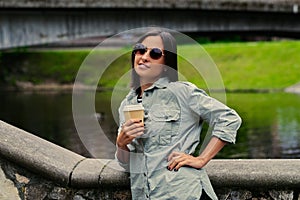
[[271, 125], [289, 131], [270, 129]]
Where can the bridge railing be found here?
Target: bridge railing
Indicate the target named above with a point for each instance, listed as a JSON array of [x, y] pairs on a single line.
[[37, 22], [239, 5]]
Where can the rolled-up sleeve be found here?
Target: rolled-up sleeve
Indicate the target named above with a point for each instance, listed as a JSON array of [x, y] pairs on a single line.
[[223, 120]]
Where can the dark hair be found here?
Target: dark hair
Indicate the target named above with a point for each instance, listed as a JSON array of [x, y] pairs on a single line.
[[170, 56]]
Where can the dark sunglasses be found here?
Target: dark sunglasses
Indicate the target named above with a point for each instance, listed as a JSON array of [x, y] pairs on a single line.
[[155, 53]]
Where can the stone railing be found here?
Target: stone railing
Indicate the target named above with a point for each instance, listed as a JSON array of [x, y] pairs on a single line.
[[32, 168]]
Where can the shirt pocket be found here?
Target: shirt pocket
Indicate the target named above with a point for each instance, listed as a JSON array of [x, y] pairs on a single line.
[[164, 122], [165, 114]]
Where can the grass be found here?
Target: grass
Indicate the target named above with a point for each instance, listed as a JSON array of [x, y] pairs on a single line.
[[258, 65], [243, 66]]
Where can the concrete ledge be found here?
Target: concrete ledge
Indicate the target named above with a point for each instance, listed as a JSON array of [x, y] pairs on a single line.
[[86, 173], [114, 175], [70, 169], [36, 154], [99, 173], [255, 173]]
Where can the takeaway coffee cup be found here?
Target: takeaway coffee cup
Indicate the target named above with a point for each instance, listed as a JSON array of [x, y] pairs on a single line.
[[134, 112]]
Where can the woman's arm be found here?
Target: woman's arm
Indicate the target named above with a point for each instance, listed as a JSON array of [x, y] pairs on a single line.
[[179, 159], [223, 120]]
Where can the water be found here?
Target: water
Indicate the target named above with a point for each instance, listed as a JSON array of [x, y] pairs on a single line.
[[270, 129]]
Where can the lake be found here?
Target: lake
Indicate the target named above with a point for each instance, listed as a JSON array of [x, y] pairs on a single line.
[[270, 129]]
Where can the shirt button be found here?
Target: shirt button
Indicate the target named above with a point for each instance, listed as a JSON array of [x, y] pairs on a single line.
[[166, 117], [146, 94]]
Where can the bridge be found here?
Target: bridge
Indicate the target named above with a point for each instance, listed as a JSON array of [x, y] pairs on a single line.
[[34, 22]]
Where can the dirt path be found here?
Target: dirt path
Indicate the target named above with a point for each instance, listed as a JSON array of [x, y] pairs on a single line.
[[293, 89]]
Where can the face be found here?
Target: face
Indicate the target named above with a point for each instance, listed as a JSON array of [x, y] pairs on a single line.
[[149, 69]]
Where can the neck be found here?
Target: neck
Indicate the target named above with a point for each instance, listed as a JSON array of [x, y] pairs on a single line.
[[144, 87], [146, 83]]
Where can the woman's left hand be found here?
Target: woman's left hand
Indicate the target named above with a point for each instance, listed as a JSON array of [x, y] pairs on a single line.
[[179, 159]]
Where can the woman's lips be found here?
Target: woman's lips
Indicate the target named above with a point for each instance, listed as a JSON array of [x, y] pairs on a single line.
[[143, 66]]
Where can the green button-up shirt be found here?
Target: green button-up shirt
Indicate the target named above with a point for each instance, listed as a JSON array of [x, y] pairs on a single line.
[[174, 115]]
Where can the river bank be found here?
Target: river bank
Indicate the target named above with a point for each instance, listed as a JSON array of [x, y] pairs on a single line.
[[244, 67], [57, 87]]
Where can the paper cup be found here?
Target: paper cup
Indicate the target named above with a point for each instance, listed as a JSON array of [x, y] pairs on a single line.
[[134, 112]]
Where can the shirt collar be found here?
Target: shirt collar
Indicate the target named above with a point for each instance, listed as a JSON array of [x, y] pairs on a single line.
[[160, 83]]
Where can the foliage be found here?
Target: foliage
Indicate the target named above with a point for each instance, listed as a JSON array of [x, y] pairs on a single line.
[[39, 67]]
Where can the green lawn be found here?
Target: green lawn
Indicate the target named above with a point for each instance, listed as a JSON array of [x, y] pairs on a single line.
[[257, 65], [245, 65]]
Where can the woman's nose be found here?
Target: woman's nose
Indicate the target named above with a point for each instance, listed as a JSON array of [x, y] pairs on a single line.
[[146, 55]]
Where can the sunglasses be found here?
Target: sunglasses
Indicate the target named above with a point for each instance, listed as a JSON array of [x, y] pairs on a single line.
[[155, 53]]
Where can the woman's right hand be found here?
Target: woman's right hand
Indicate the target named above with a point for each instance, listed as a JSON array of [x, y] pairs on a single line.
[[130, 130]]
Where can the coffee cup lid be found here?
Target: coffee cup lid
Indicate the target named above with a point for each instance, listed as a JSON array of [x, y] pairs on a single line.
[[133, 107]]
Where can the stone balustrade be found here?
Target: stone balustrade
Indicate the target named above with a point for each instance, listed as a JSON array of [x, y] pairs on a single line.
[[33, 168]]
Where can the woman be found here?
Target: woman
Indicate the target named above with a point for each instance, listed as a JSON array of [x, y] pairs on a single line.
[[159, 152]]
